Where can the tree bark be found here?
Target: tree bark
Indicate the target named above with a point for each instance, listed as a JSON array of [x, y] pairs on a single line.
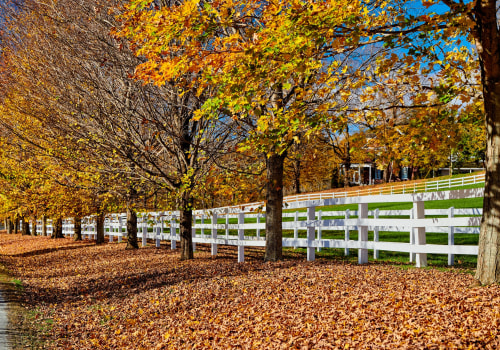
[[34, 233], [44, 225], [131, 229], [57, 231], [274, 207], [335, 178], [487, 38], [296, 173], [100, 227], [25, 229], [9, 225], [78, 228], [347, 170], [16, 225], [186, 224]]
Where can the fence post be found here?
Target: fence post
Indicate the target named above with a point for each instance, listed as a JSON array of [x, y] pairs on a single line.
[[319, 230], [258, 222], [346, 238], [419, 232], [214, 233], [120, 229], [193, 231], [241, 237], [296, 229], [202, 223], [144, 230], [110, 229], [227, 224], [451, 237], [376, 238], [412, 236], [311, 215], [362, 233], [173, 232], [158, 230]]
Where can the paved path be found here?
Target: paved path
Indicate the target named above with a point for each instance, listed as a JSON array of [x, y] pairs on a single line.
[[4, 324]]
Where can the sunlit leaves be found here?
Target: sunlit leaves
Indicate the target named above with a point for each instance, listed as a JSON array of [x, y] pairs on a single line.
[[92, 301]]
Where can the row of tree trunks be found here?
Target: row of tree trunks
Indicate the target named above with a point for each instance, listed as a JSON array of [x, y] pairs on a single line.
[[13, 226]]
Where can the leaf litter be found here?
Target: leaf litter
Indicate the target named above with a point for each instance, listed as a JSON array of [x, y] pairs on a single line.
[[106, 297]]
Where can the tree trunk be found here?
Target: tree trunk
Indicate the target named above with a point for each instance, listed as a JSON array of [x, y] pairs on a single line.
[[57, 230], [44, 225], [25, 228], [335, 178], [296, 173], [274, 207], [78, 228], [186, 225], [487, 38], [16, 225], [347, 170], [34, 233], [9, 225], [100, 227], [131, 229]]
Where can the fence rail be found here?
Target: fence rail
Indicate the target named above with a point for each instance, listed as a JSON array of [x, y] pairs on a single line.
[[400, 188], [226, 226]]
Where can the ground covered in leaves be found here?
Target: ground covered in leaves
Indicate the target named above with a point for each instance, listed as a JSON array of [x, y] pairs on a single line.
[[83, 296]]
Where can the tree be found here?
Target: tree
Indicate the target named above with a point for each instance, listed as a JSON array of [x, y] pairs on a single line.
[[134, 141], [486, 34], [478, 21], [279, 68]]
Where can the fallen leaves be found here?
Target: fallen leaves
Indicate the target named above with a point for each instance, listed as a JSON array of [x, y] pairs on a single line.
[[111, 298]]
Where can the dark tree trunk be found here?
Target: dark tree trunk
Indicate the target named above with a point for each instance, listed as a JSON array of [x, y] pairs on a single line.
[[388, 173], [57, 231], [186, 224], [487, 39], [335, 178], [131, 229], [9, 225], [16, 225], [78, 228], [33, 232], [100, 227], [44, 225], [347, 170], [296, 173], [274, 207], [25, 229]]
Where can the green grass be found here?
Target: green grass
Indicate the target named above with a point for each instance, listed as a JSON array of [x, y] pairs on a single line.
[[18, 283], [437, 260]]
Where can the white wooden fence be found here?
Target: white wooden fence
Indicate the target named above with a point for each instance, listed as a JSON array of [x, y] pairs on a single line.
[[386, 189], [231, 226]]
